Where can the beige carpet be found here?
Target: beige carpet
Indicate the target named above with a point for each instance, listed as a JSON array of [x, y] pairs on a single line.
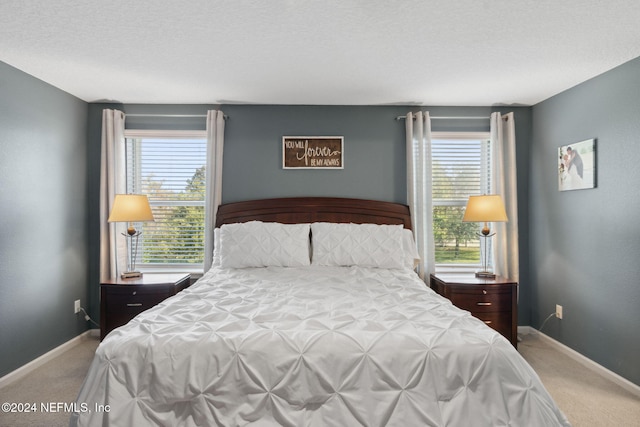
[[588, 399], [58, 380]]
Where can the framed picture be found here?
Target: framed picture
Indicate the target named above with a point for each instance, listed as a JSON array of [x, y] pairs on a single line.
[[577, 166], [313, 152]]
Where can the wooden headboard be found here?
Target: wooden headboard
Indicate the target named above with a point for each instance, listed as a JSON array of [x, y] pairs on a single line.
[[315, 209]]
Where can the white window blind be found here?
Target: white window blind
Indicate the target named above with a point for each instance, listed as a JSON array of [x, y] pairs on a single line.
[[461, 168], [169, 167]]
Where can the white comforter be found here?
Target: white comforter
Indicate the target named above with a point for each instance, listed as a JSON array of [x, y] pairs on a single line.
[[312, 346]]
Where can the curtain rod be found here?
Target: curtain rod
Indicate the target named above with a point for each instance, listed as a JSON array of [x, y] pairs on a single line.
[[452, 118], [184, 116]]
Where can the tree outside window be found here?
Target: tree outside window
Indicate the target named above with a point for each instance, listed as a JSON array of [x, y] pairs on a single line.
[[460, 169], [169, 167]]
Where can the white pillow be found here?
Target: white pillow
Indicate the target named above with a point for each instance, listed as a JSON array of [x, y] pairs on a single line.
[[264, 244], [411, 255], [364, 245], [216, 248]]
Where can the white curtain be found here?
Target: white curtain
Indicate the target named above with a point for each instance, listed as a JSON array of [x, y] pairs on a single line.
[[419, 188], [213, 197], [503, 141], [113, 246]]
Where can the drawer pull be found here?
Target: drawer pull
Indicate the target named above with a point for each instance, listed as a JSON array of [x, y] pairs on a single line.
[[483, 303], [484, 291], [488, 322], [135, 304]]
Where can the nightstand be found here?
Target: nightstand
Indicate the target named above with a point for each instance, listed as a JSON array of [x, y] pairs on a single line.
[[122, 299], [494, 301]]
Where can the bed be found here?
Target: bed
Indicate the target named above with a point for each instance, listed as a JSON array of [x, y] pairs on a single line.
[[331, 329]]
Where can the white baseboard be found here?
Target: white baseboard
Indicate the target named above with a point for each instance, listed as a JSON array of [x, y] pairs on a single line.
[[36, 363], [583, 360]]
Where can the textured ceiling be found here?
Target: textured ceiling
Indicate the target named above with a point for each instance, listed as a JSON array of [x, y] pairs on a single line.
[[351, 52]]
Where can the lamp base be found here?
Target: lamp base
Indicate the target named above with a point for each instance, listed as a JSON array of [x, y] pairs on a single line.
[[130, 274], [485, 275]]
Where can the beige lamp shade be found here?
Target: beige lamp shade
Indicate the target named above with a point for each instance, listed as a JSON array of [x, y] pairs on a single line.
[[486, 208], [130, 208]]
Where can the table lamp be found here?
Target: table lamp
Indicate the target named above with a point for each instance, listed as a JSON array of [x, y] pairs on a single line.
[[486, 208], [131, 208]]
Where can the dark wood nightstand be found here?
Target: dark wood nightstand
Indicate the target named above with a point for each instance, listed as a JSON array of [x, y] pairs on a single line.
[[122, 299], [494, 301]]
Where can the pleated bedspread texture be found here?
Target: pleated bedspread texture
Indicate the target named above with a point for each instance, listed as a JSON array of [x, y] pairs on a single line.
[[311, 346]]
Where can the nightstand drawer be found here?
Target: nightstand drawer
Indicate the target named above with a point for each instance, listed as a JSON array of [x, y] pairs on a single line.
[[497, 321], [482, 300], [139, 301], [122, 300]]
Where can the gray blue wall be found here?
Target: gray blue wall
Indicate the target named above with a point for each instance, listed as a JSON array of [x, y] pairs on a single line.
[[374, 154], [585, 244], [43, 217], [374, 148]]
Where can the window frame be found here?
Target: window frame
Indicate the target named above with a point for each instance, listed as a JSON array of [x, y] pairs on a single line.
[[194, 268], [485, 188]]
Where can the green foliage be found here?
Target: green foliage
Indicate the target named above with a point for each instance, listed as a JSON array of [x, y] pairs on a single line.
[[165, 240], [450, 233], [465, 255]]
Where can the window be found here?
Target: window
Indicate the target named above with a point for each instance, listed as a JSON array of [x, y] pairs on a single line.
[[461, 168], [169, 167]]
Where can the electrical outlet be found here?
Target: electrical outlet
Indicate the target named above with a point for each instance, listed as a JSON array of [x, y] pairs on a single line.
[[558, 311], [76, 306]]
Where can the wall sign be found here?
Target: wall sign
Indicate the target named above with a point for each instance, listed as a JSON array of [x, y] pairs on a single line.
[[312, 152]]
